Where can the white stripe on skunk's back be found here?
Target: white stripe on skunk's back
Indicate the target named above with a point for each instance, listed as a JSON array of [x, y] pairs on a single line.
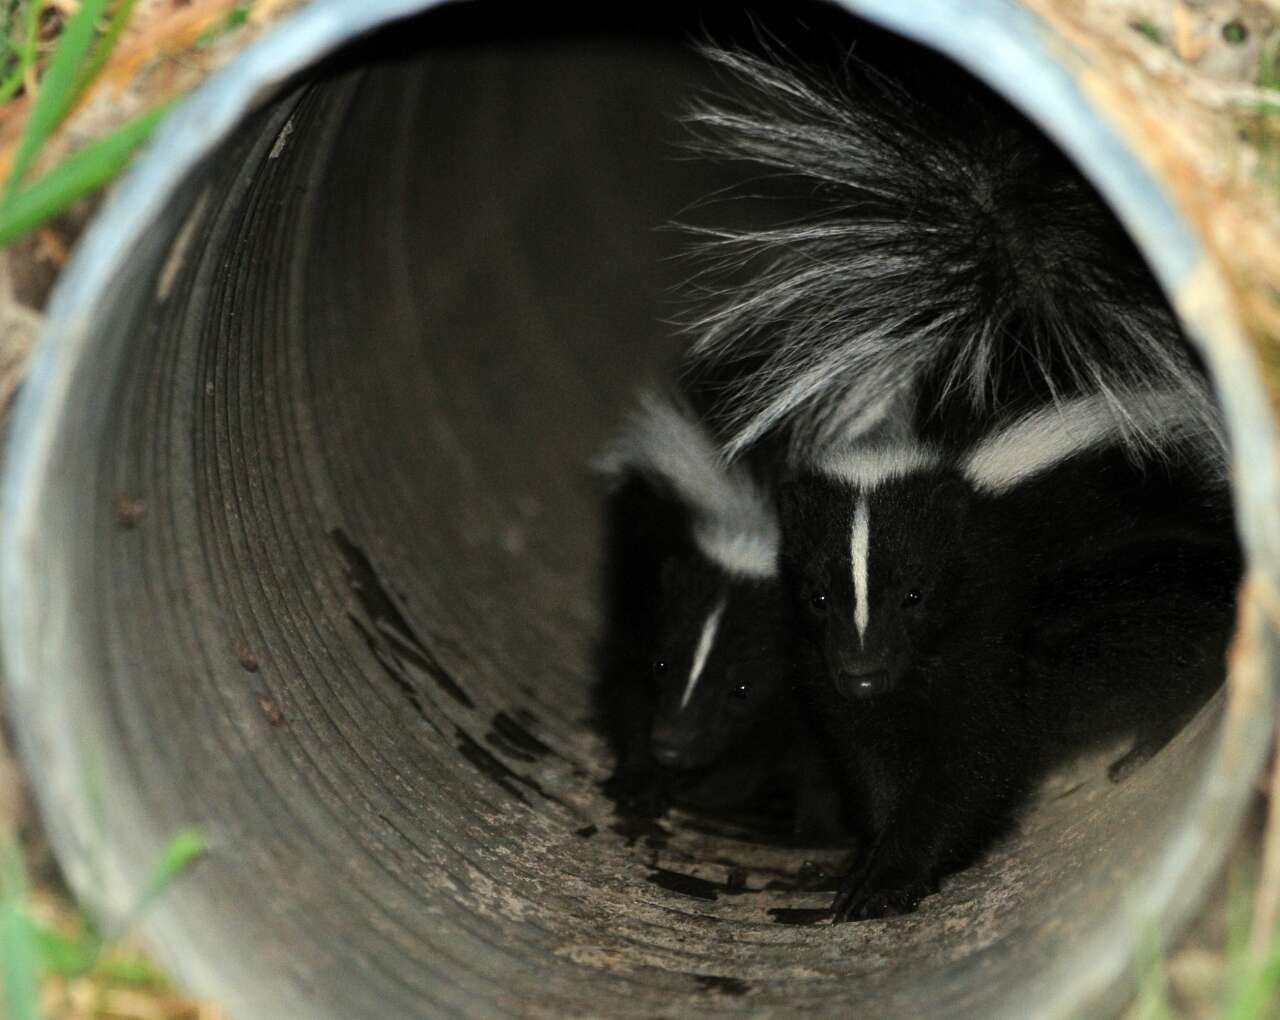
[[740, 552], [859, 549], [1051, 435], [735, 524], [867, 465], [705, 641]]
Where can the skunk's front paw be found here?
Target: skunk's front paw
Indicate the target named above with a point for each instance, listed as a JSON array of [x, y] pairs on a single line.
[[862, 901], [1126, 765], [638, 792], [818, 815]]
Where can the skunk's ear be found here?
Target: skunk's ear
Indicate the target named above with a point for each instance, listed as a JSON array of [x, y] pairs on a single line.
[[785, 495], [952, 498], [794, 496], [670, 576], [805, 508]]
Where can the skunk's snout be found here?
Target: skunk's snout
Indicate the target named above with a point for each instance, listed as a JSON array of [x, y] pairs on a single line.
[[866, 684], [857, 673], [674, 747]]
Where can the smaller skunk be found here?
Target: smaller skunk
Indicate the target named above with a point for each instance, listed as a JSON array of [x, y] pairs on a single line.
[[936, 595], [697, 681]]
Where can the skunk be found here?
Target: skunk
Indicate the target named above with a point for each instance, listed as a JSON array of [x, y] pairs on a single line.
[[950, 251], [908, 664], [1135, 568], [697, 683], [937, 598]]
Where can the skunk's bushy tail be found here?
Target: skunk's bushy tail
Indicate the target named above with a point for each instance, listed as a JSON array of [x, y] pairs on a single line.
[[954, 254]]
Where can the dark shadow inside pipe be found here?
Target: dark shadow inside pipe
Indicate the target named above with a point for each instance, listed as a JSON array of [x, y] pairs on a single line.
[[339, 543]]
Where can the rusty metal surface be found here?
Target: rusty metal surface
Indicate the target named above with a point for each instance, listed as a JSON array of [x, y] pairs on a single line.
[[298, 545]]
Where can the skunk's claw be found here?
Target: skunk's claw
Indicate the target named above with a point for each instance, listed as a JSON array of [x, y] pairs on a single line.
[[637, 792], [857, 902]]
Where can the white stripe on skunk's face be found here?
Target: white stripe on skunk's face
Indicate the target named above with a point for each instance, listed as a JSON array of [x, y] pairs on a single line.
[[705, 642], [729, 665], [859, 552], [878, 569]]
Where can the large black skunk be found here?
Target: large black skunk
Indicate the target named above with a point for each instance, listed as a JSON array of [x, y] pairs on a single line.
[[696, 686], [951, 253], [969, 619]]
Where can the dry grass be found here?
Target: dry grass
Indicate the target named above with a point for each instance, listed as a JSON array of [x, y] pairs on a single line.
[[1206, 117], [124, 985], [168, 48]]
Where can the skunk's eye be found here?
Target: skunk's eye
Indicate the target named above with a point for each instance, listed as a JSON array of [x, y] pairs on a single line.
[[910, 599], [818, 602], [660, 667], [739, 691]]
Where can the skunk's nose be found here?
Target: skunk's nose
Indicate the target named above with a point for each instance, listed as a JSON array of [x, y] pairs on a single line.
[[859, 684], [671, 746], [857, 673]]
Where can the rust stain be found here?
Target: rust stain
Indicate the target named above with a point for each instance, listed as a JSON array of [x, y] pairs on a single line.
[[272, 710], [128, 510], [247, 659]]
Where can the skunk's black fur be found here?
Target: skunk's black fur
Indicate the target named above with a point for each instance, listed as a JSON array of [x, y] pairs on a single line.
[[643, 527], [992, 624], [953, 253], [1137, 571]]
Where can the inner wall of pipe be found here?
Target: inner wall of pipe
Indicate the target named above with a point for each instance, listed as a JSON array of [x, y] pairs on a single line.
[[330, 571]]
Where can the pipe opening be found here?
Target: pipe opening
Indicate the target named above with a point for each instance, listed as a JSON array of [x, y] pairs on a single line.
[[321, 574]]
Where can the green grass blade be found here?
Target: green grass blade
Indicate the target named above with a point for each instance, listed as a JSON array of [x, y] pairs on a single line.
[[232, 20], [1148, 28], [19, 982], [80, 174], [27, 55], [7, 48], [181, 850], [119, 18], [1152, 1001], [12, 83], [1257, 994], [20, 998], [1269, 69], [137, 971], [58, 88], [66, 956], [1239, 923]]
